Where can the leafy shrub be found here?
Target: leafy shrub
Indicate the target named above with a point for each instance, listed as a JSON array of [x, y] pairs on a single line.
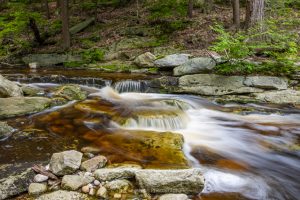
[[93, 55]]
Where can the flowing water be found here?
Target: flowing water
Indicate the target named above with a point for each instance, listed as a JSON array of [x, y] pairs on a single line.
[[245, 151]]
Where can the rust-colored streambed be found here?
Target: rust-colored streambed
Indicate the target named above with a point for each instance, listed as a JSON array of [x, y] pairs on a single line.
[[245, 151]]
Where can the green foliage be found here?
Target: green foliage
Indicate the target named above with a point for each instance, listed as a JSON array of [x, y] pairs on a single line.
[[93, 55], [167, 9]]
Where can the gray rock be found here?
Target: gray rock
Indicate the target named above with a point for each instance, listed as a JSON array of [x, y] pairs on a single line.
[[189, 181], [279, 97], [195, 66], [102, 192], [118, 186], [164, 82], [173, 60], [40, 178], [63, 195], [173, 197], [70, 92], [145, 60], [45, 60], [15, 184], [108, 174], [211, 84], [32, 91], [74, 182], [18, 106], [8, 88], [37, 188], [266, 82], [94, 163], [66, 162], [5, 130]]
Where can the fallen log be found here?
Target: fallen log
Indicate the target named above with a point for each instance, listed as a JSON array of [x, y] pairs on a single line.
[[81, 26]]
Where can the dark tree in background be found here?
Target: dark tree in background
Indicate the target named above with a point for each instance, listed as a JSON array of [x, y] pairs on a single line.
[[65, 24]]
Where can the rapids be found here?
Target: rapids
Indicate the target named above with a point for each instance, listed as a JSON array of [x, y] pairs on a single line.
[[245, 151]]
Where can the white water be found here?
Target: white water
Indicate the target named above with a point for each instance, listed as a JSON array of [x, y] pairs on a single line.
[[274, 175]]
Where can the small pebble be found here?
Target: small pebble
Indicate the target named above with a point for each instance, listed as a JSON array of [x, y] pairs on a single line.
[[117, 196], [89, 155], [40, 178], [96, 183], [85, 189], [90, 185], [92, 191]]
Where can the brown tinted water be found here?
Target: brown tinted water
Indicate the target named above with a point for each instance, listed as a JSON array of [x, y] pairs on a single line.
[[245, 151]]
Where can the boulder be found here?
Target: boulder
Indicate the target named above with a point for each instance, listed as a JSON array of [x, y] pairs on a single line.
[[211, 84], [70, 92], [145, 60], [173, 197], [15, 184], [195, 66], [66, 162], [5, 130], [18, 106], [279, 97], [8, 88], [45, 60], [37, 188], [118, 186], [266, 82], [94, 163], [74, 182], [108, 174], [32, 90], [190, 181], [62, 195], [173, 60]]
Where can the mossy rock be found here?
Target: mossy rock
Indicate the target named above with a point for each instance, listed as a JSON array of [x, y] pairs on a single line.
[[70, 92]]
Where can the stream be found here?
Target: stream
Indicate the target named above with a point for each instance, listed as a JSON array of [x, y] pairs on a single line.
[[246, 151]]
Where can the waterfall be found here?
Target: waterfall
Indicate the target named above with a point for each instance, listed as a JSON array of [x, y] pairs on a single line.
[[130, 86]]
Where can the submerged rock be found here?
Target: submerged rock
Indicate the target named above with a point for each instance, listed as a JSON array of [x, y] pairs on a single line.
[[66, 162], [173, 60], [18, 106], [5, 130], [15, 184], [32, 91], [211, 84], [266, 82], [37, 188], [8, 88], [70, 92], [189, 181], [195, 66], [93, 163], [62, 195], [173, 197], [145, 60], [74, 182]]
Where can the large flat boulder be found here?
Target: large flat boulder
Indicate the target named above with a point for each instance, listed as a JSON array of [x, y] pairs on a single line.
[[279, 97], [266, 82], [19, 106], [16, 183], [190, 181], [173, 60], [45, 60], [195, 66], [211, 84], [9, 88], [66, 162]]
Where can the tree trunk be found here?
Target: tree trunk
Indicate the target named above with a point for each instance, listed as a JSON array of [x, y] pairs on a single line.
[[65, 24], [57, 4], [47, 9], [236, 13], [36, 32], [190, 8], [254, 12]]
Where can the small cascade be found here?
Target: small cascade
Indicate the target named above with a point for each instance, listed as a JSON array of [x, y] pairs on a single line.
[[130, 86], [161, 120]]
